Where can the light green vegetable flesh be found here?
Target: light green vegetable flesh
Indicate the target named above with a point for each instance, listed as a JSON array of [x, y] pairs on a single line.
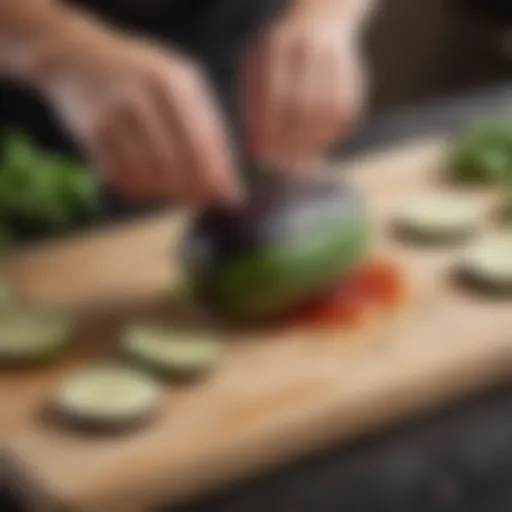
[[30, 338], [438, 219], [170, 352], [489, 264], [261, 285], [107, 396]]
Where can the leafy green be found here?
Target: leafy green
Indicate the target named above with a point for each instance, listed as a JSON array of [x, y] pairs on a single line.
[[44, 193], [484, 154]]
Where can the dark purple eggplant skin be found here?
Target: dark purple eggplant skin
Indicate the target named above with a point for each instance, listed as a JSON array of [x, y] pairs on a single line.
[[278, 210]]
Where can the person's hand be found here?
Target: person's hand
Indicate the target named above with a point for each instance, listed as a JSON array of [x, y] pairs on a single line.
[[146, 116], [303, 87]]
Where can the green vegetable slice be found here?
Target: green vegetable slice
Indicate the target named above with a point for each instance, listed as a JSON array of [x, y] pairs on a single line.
[[106, 397], [285, 275], [489, 265], [439, 218], [29, 338], [168, 352]]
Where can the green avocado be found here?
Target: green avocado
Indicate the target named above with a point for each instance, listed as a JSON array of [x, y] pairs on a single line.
[[289, 243]]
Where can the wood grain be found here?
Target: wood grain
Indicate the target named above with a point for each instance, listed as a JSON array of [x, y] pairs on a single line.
[[276, 396]]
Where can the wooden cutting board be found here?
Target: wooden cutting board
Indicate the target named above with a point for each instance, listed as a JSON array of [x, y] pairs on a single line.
[[275, 396]]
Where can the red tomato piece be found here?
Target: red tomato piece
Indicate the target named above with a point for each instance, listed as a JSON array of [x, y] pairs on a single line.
[[376, 287]]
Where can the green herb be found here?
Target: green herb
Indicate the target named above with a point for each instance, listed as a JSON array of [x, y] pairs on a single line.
[[44, 193], [484, 154]]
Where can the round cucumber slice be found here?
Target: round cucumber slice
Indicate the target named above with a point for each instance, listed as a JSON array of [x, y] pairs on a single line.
[[489, 265], [439, 219], [169, 352], [108, 397], [29, 338]]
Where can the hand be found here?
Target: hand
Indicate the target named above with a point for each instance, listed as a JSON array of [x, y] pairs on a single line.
[[303, 88], [146, 116]]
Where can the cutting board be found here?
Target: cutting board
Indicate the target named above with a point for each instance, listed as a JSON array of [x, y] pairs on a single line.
[[276, 395]]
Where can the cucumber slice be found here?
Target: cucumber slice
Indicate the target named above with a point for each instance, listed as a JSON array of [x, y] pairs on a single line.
[[488, 266], [439, 219], [168, 352], [108, 397], [29, 338]]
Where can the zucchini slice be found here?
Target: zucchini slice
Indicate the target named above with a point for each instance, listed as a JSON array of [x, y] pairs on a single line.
[[439, 219], [168, 352], [108, 397], [488, 266], [29, 337]]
